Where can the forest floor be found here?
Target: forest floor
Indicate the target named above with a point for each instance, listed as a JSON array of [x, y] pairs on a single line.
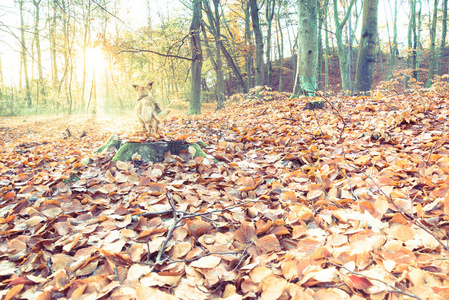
[[346, 202]]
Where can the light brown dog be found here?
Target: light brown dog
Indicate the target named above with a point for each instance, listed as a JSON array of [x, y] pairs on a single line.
[[147, 109]]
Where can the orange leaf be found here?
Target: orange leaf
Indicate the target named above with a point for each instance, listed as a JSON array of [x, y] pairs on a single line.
[[156, 189], [245, 233], [360, 283], [280, 230], [269, 243], [13, 292]]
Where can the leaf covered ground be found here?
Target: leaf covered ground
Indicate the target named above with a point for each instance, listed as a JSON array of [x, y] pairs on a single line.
[[347, 202]]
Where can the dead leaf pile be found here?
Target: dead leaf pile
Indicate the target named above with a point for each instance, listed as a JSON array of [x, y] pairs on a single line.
[[348, 202]]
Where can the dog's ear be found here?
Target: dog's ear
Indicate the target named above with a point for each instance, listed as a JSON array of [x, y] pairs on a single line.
[[150, 85], [135, 86]]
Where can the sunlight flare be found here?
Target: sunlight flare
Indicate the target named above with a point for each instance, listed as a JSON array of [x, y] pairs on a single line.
[[95, 60]]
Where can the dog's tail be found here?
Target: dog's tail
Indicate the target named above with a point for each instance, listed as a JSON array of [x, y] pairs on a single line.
[[162, 114]]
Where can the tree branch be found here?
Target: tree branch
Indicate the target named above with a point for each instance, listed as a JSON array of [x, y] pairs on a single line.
[[131, 50]]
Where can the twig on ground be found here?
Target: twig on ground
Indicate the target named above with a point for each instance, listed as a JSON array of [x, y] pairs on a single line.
[[178, 216], [395, 289], [406, 215], [433, 146]]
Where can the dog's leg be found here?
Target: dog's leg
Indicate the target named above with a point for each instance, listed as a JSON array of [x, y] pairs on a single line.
[[155, 125], [148, 115], [144, 128], [139, 110]]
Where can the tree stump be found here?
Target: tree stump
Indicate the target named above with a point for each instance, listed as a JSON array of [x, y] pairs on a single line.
[[148, 151]]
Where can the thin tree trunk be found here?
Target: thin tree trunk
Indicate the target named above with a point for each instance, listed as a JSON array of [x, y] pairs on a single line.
[[38, 46], [86, 39], [326, 55], [342, 55], [23, 55], [394, 46], [411, 39], [367, 50], [281, 50], [197, 59], [235, 69], [249, 61], [320, 47], [1, 72], [231, 60], [269, 15], [443, 38], [417, 44], [433, 34], [350, 65], [259, 43], [54, 67], [214, 26]]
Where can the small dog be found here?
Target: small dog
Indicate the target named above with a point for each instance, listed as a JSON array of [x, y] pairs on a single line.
[[147, 108]]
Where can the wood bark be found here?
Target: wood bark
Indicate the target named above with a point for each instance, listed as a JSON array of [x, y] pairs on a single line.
[[36, 4], [443, 38], [367, 50], [197, 59], [269, 14], [54, 65], [23, 54], [433, 33], [342, 55], [306, 74], [281, 47], [249, 57], [215, 29], [260, 73], [86, 39], [394, 44]]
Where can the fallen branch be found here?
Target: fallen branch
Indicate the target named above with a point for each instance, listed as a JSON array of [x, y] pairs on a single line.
[[178, 216]]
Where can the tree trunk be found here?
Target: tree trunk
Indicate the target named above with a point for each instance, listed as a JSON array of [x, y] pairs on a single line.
[[410, 39], [234, 68], [24, 55], [326, 55], [1, 73], [269, 15], [281, 48], [259, 43], [417, 43], [67, 55], [231, 60], [306, 74], [86, 39], [197, 59], [394, 46], [342, 55], [38, 46], [443, 38], [367, 50], [249, 61], [214, 28], [433, 33], [54, 68]]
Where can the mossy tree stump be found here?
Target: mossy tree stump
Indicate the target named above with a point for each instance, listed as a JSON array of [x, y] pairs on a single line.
[[148, 151]]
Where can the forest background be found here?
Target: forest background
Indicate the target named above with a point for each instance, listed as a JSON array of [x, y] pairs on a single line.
[[82, 56]]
